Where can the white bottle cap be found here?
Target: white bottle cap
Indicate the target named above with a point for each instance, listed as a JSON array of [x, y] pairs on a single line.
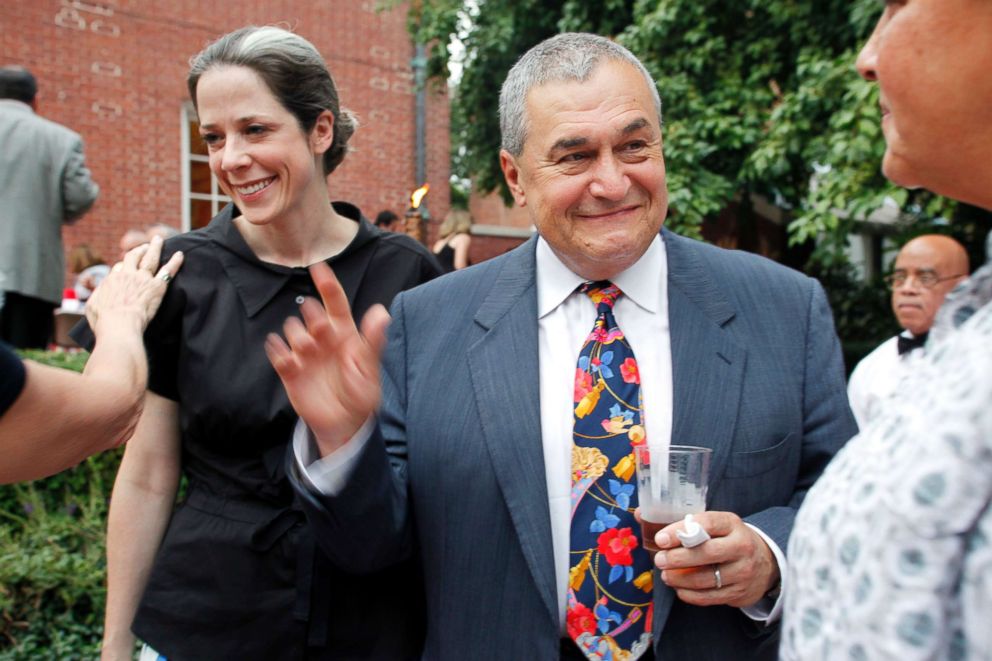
[[692, 534]]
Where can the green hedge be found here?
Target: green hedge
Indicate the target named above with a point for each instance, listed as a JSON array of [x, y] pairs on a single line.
[[52, 567], [862, 312]]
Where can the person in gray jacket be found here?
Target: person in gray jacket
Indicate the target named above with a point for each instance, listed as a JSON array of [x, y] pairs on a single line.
[[44, 183]]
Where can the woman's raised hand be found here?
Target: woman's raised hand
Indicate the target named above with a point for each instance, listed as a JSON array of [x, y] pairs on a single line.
[[330, 370]]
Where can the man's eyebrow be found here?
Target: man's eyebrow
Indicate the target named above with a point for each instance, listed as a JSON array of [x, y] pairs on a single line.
[[568, 143], [571, 143], [635, 125]]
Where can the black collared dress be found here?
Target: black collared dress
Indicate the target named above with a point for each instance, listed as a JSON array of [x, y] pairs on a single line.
[[238, 575]]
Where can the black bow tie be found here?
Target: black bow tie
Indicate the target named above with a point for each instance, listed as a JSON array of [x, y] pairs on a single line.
[[907, 344]]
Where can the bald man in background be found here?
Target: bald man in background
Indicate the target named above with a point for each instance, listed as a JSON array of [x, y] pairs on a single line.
[[927, 268], [131, 239]]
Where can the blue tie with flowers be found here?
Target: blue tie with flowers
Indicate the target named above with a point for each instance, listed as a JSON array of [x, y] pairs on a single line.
[[610, 583]]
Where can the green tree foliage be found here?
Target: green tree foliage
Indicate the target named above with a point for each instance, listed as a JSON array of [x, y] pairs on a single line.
[[760, 97], [500, 33]]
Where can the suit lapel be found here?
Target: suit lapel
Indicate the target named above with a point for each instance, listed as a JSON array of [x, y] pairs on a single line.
[[707, 367], [505, 377]]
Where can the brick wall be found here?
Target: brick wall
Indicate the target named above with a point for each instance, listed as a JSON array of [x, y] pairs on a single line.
[[115, 71], [496, 227]]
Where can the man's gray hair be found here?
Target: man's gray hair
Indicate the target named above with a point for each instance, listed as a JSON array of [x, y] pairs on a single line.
[[570, 56]]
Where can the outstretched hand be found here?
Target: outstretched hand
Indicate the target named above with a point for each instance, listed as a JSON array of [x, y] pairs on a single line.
[[330, 370], [133, 290]]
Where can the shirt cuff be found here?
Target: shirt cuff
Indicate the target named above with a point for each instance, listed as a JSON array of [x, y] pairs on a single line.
[[767, 609], [328, 475]]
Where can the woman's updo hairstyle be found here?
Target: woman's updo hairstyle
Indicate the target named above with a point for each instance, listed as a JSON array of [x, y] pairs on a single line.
[[294, 72]]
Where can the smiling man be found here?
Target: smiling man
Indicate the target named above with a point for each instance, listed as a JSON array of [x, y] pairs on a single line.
[[511, 401], [926, 269]]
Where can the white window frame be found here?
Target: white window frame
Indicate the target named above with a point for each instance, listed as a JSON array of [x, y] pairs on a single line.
[[216, 198]]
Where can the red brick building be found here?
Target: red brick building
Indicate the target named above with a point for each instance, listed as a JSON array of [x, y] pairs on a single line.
[[115, 72]]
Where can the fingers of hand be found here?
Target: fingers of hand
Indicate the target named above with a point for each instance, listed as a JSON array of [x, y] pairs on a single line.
[[698, 586], [698, 578], [170, 268], [319, 324], [666, 537], [729, 595], [300, 341], [374, 325], [719, 524], [133, 256], [281, 357], [331, 294], [150, 258], [743, 574], [710, 552]]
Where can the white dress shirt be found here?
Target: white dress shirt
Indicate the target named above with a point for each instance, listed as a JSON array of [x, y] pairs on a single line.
[[876, 378], [565, 318]]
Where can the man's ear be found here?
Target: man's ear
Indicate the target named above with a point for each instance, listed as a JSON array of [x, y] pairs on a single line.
[[322, 134], [511, 172]]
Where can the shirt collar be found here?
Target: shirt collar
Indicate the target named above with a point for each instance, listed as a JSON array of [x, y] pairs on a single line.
[[14, 104], [258, 282], [642, 283]]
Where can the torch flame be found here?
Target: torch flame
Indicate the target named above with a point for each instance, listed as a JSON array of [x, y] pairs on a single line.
[[418, 195]]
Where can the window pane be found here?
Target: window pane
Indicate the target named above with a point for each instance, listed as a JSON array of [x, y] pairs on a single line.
[[196, 144], [199, 177], [199, 213]]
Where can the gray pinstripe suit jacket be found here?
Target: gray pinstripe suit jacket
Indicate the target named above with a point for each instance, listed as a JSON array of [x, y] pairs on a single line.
[[43, 184], [455, 471]]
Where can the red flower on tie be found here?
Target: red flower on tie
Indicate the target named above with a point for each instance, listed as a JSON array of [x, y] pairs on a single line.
[[629, 371], [583, 384], [616, 544], [579, 620]]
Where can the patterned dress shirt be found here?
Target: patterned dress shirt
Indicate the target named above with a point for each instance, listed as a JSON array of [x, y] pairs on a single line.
[[891, 553]]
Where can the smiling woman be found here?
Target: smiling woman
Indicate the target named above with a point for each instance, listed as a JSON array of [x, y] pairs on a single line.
[[233, 571]]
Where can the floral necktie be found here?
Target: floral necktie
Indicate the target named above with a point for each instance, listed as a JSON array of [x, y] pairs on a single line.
[[610, 583]]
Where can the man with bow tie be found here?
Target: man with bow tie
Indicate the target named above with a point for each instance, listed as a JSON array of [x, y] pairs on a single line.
[[927, 268]]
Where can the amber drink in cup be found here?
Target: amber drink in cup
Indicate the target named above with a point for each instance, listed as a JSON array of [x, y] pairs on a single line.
[[671, 482]]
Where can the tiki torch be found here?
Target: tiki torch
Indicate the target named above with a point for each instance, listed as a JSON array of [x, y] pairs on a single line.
[[417, 216]]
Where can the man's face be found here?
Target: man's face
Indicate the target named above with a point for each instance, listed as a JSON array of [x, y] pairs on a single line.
[[591, 171], [931, 59], [914, 305]]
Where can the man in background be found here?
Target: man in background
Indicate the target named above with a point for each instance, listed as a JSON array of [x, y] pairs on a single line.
[[388, 221], [43, 184], [927, 268], [131, 239], [162, 230]]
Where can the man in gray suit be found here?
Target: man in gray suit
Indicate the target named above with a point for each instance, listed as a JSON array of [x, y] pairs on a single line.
[[468, 461], [43, 184]]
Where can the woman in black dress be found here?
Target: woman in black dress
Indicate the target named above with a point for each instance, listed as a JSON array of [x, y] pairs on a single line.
[[451, 249], [232, 572]]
